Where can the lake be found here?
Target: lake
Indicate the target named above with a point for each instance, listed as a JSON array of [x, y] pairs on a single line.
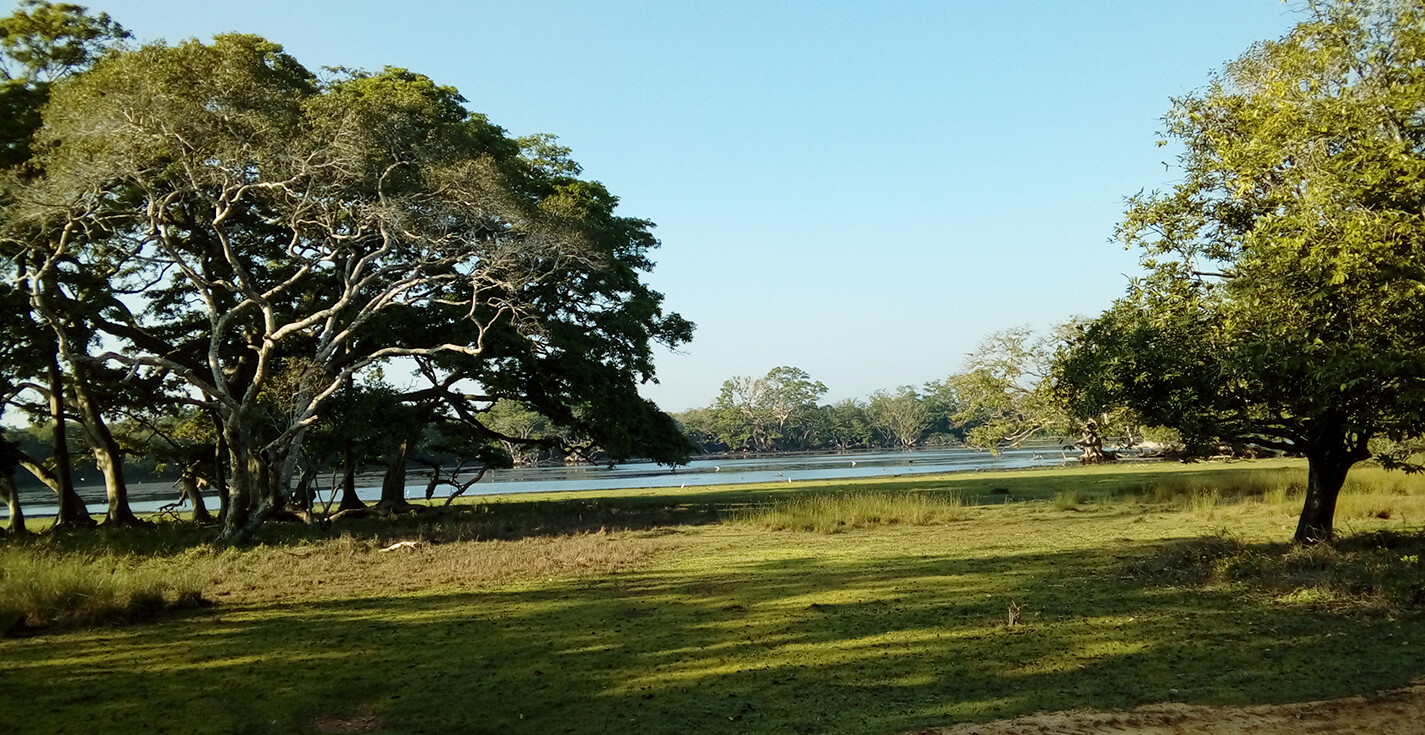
[[149, 497]]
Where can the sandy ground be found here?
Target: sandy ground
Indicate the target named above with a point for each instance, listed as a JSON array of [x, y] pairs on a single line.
[[1398, 712]]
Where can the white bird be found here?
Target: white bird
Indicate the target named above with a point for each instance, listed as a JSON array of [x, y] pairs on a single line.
[[853, 463]]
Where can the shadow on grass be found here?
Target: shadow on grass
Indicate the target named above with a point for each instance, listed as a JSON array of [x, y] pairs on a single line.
[[468, 522], [800, 645]]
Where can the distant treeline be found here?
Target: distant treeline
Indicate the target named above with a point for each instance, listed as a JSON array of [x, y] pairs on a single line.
[[1001, 397]]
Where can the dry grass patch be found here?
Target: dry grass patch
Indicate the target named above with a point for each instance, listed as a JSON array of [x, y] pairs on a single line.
[[1069, 499], [837, 512], [350, 566], [1370, 494], [1396, 712], [1205, 488], [364, 719]]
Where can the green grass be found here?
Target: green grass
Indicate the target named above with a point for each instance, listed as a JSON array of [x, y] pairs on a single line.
[[1069, 499], [843, 511], [42, 590], [1373, 573], [685, 611]]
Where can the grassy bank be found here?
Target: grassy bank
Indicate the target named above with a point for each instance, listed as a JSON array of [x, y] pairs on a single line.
[[859, 607]]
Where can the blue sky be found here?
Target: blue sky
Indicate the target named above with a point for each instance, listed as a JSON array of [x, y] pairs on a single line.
[[862, 190]]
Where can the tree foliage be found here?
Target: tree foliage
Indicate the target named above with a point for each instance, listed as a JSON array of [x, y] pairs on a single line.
[[1283, 301], [39, 43], [902, 416], [1002, 395], [767, 413], [265, 237]]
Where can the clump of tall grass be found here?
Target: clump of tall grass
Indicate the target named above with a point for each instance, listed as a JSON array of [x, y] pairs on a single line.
[[1374, 492], [1369, 492], [837, 512], [1069, 499], [1377, 572], [1206, 490], [40, 589]]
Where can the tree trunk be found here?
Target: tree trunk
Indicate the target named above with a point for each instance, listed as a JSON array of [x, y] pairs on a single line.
[[284, 471], [192, 492], [72, 512], [220, 472], [393, 485], [241, 490], [11, 495], [108, 457], [1330, 456], [264, 492], [349, 500], [1328, 461], [1092, 445], [306, 495], [116, 488], [274, 489]]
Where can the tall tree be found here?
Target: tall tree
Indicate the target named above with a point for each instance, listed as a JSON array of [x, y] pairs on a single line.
[[9, 493], [701, 427], [313, 230], [1002, 397], [41, 43], [843, 425], [1283, 301], [902, 416], [943, 404], [518, 422], [763, 414]]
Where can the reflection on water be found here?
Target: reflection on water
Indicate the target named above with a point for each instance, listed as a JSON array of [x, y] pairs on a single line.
[[148, 497]]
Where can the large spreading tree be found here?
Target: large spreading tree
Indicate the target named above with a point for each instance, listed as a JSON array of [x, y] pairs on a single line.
[[218, 215], [1284, 302], [763, 414]]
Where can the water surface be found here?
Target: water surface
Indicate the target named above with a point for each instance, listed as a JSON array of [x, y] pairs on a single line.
[[150, 497]]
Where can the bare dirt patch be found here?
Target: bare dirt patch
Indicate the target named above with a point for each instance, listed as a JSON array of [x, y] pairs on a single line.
[[1397, 712], [364, 719]]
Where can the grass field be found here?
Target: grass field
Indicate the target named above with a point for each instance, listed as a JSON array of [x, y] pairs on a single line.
[[877, 606]]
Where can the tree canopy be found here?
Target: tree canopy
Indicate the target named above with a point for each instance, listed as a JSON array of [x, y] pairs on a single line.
[[218, 216], [1285, 296], [39, 43]]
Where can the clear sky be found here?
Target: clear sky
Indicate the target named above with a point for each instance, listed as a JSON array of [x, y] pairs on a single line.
[[859, 189]]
